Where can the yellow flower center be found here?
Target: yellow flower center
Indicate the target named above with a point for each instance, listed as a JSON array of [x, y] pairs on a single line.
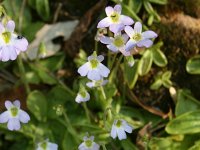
[[88, 143], [94, 63], [137, 37], [6, 37], [83, 94], [119, 123], [118, 41], [14, 111], [115, 17]]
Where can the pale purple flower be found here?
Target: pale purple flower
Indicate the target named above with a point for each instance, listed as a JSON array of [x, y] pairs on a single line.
[[116, 43], [89, 144], [119, 128], [46, 145], [97, 83], [114, 20], [94, 69], [10, 43], [137, 37], [14, 115], [100, 32], [82, 96]]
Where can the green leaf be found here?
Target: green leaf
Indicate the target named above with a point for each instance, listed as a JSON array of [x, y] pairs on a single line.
[[135, 5], [156, 85], [161, 2], [37, 104], [145, 63], [131, 74], [193, 65], [159, 58], [32, 77], [166, 75], [167, 83], [186, 102], [42, 7], [128, 145], [129, 12], [196, 146], [68, 142], [186, 123]]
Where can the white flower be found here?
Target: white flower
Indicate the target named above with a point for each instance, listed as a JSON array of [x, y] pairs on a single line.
[[46, 145], [118, 129], [88, 144], [14, 115], [82, 96], [94, 69], [97, 83], [10, 43], [114, 20]]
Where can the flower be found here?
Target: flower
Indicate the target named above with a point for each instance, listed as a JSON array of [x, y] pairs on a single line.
[[11, 44], [117, 43], [118, 129], [94, 69], [46, 145], [137, 37], [114, 20], [100, 33], [82, 96], [14, 115], [97, 83], [88, 144]]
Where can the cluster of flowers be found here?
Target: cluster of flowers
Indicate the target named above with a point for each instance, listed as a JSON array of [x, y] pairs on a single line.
[[125, 40], [11, 45]]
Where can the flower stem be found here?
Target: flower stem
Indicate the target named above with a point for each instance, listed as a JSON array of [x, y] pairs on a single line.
[[103, 92], [23, 74], [70, 128], [104, 147], [87, 112], [95, 45]]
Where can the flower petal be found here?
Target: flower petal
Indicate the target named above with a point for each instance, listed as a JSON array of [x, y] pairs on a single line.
[[130, 44], [23, 116], [126, 20], [100, 58], [95, 146], [113, 132], [1, 28], [90, 84], [118, 9], [10, 26], [104, 23], [4, 117], [129, 30], [78, 98], [149, 34], [105, 40], [82, 146], [146, 43], [103, 70], [13, 124], [94, 75], [83, 70], [109, 10], [52, 146], [5, 54], [121, 134], [8, 104], [116, 27], [17, 103], [13, 53], [21, 44], [112, 48], [125, 37], [138, 27], [124, 52], [128, 128]]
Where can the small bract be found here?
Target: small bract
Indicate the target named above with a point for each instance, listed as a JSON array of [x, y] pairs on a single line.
[[114, 20], [94, 69], [46, 145], [14, 115], [82, 96], [89, 144], [10, 43], [137, 37], [119, 128]]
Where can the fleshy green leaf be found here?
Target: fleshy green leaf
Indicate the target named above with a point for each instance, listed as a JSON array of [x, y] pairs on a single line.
[[186, 123], [131, 74], [193, 65], [145, 63], [135, 5], [156, 85], [159, 58], [42, 7], [161, 2], [186, 102], [128, 145], [37, 104]]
